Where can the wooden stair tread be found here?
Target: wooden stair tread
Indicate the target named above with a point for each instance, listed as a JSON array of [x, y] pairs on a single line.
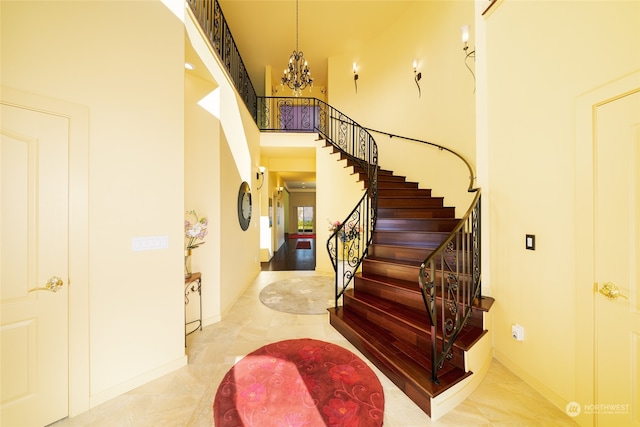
[[408, 246], [435, 213], [422, 225], [395, 261], [408, 263], [383, 313], [404, 192], [404, 196], [418, 320], [405, 284], [483, 303], [392, 360]]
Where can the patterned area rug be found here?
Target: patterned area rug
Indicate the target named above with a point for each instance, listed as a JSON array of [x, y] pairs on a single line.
[[300, 295], [302, 236], [301, 382], [303, 244]]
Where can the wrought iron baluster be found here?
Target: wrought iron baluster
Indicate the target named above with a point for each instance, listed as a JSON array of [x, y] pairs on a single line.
[[211, 19]]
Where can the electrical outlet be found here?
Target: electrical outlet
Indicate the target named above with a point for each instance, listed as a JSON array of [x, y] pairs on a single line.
[[517, 332]]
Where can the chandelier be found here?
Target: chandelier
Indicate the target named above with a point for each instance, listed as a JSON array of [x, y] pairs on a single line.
[[297, 75]]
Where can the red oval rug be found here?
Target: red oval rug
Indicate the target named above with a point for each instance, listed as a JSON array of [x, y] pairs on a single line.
[[296, 383]]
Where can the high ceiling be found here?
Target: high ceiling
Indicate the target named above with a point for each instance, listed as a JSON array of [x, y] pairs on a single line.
[[265, 33]]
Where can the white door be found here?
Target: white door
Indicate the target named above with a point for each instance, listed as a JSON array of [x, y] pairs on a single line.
[[617, 261], [34, 245]]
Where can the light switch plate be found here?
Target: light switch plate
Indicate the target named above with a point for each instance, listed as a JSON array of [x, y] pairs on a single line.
[[149, 243], [530, 242]]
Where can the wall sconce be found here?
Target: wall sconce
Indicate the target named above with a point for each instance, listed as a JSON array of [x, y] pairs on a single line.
[[280, 189], [416, 77], [261, 175], [465, 40], [355, 76], [468, 54]]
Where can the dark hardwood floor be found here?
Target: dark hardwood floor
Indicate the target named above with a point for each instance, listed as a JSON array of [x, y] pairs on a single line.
[[290, 258]]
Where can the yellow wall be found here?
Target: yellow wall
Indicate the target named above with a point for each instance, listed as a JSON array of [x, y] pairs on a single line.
[[124, 62], [288, 152], [230, 151], [388, 99], [132, 82], [147, 164], [540, 57], [298, 199], [536, 58], [337, 192], [202, 183]]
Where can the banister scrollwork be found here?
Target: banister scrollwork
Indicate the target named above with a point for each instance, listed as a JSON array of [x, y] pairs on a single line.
[[449, 278]]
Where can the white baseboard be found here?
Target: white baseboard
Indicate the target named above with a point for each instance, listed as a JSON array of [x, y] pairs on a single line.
[[135, 382]]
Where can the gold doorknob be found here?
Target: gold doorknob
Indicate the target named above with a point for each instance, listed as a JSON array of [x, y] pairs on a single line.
[[611, 291], [52, 285]]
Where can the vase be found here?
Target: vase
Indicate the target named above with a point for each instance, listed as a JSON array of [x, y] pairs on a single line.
[[187, 263]]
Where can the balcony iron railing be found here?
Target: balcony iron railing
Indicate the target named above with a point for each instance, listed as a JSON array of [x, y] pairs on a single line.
[[449, 278], [214, 25], [347, 245]]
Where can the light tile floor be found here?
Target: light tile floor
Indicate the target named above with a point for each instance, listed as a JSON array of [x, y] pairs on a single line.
[[185, 397]]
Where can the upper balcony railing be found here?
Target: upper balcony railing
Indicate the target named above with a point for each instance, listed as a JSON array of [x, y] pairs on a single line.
[[449, 277], [214, 25], [350, 238]]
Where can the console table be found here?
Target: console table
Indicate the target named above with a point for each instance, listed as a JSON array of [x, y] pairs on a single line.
[[192, 283]]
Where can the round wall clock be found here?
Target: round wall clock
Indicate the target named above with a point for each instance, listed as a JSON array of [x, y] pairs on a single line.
[[244, 205]]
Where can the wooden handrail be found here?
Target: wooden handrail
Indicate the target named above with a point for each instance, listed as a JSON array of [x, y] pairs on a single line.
[[472, 175]]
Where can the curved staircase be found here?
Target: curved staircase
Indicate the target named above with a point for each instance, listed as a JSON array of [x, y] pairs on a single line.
[[409, 274], [383, 312]]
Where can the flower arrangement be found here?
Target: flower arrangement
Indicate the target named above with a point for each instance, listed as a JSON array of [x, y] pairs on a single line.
[[350, 231], [195, 231]]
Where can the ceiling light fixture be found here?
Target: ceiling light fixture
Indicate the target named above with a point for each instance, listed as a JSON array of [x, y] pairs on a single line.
[[297, 75]]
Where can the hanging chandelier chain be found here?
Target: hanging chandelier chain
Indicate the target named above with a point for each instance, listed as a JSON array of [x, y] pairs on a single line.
[[297, 75]]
